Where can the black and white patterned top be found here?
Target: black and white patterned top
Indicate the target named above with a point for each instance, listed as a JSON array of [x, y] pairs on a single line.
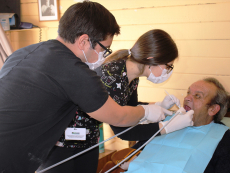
[[115, 79]]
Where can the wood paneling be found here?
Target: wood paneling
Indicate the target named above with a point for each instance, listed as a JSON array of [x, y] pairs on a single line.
[[29, 9], [174, 14], [191, 48], [113, 5], [217, 66], [185, 31], [150, 94]]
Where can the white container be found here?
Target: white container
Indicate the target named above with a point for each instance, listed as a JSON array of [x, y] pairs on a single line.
[[5, 23]]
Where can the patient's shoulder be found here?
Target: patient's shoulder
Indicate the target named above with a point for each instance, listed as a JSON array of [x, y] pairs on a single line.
[[223, 146], [220, 162], [226, 137]]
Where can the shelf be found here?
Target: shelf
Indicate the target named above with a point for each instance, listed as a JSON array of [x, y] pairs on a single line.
[[19, 30]]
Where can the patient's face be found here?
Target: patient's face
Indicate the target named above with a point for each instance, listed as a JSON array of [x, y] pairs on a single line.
[[198, 96]]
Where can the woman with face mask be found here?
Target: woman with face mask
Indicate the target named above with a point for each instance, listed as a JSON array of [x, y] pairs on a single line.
[[152, 56]]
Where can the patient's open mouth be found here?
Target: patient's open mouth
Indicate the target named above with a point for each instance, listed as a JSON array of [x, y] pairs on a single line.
[[187, 108]]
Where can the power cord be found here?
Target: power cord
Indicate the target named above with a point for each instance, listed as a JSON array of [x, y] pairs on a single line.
[[40, 32]]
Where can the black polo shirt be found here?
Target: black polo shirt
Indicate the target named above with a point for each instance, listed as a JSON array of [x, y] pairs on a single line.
[[40, 88]]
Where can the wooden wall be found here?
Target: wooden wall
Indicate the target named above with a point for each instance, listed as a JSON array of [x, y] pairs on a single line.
[[200, 28]]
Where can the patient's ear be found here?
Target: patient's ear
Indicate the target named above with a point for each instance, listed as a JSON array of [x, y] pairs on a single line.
[[213, 110]]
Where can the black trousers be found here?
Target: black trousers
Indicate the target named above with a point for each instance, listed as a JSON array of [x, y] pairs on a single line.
[[85, 163]]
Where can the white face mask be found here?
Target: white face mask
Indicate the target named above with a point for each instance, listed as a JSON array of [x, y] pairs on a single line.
[[163, 77], [96, 64]]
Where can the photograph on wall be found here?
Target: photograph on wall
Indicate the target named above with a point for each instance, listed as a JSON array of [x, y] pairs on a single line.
[[48, 10]]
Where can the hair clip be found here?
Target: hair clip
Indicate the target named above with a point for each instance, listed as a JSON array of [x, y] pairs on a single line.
[[129, 51]]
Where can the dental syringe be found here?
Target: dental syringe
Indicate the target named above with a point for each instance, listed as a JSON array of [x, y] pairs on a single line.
[[172, 99]]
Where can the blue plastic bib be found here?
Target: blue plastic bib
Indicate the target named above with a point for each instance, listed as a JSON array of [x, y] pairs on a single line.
[[184, 151]]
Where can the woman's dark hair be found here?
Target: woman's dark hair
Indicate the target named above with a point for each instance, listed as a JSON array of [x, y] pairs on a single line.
[[155, 43], [89, 18]]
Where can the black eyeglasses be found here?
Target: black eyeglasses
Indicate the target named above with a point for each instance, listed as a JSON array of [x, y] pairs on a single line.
[[169, 68], [108, 51]]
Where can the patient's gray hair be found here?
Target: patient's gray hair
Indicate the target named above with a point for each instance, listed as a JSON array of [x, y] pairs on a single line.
[[221, 98]]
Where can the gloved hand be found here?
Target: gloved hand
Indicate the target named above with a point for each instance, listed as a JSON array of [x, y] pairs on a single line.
[[155, 113], [167, 103], [182, 120]]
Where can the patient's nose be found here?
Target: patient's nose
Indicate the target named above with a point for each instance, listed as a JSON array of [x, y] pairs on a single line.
[[188, 97]]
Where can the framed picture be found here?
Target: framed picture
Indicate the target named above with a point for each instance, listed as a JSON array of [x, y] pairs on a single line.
[[48, 10]]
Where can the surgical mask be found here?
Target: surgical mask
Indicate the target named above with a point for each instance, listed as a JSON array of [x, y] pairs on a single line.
[[96, 64], [163, 77]]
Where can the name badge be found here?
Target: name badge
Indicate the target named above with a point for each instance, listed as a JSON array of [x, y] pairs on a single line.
[[75, 134]]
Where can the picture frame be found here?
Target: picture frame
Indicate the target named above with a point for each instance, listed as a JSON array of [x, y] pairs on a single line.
[[48, 10]]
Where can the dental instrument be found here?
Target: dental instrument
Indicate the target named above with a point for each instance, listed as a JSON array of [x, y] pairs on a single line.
[[172, 99]]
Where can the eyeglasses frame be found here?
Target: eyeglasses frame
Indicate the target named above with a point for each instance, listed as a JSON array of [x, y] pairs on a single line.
[[170, 68], [106, 49]]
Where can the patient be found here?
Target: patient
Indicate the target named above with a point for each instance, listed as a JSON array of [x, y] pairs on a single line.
[[202, 148]]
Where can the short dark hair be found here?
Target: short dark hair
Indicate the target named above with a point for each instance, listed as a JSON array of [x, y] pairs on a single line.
[[155, 43], [89, 18], [221, 98]]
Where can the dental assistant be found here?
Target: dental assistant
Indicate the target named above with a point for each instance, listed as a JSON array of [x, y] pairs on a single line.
[[119, 74], [42, 86], [151, 56]]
